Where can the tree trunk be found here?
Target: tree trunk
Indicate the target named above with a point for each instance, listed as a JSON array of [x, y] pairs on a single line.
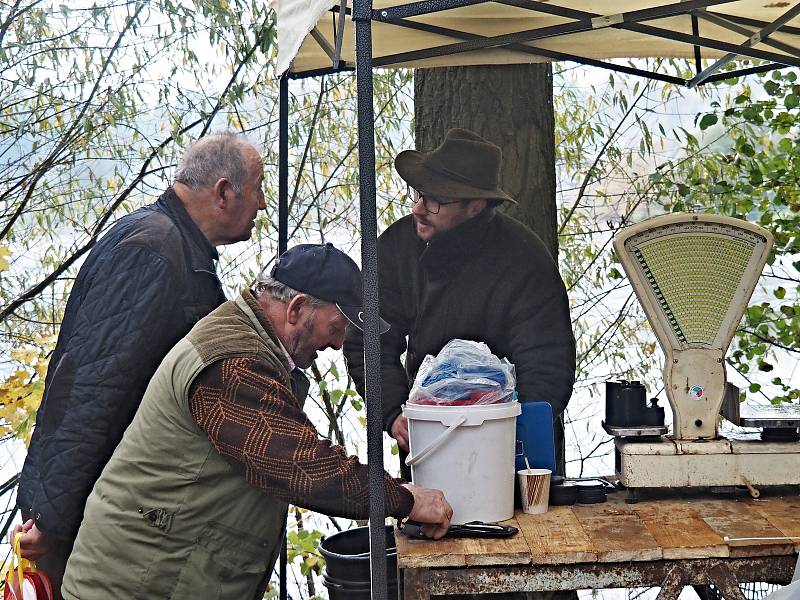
[[510, 105]]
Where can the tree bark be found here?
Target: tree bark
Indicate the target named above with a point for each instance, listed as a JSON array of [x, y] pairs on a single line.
[[511, 106]]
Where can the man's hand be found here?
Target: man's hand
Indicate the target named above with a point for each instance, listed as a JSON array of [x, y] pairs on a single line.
[[430, 508], [399, 431], [33, 544]]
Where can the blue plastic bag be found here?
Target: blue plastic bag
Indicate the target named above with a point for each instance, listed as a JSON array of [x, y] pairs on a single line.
[[463, 373]]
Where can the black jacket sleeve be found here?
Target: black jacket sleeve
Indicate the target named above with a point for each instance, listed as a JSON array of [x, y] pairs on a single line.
[[394, 380], [127, 322], [540, 335]]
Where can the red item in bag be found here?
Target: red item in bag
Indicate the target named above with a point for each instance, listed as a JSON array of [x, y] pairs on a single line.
[[470, 400], [25, 581]]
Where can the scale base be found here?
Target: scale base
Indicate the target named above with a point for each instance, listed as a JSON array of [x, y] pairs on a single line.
[[667, 463]]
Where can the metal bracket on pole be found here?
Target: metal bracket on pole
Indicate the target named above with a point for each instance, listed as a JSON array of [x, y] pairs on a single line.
[[698, 64], [731, 26], [425, 7], [325, 45], [337, 53], [753, 40], [607, 21]]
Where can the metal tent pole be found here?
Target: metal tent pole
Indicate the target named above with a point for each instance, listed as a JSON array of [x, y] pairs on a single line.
[[283, 166], [362, 15], [283, 240]]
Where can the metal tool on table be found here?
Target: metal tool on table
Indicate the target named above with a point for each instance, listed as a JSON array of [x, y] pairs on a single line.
[[475, 529], [694, 275]]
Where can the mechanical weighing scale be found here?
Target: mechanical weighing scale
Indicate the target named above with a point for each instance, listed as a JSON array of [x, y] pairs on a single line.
[[694, 275]]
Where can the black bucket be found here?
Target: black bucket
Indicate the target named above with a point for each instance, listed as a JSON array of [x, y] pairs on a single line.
[[347, 573]]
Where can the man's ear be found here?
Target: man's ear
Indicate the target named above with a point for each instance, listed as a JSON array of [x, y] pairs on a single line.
[[296, 308], [221, 188], [476, 206]]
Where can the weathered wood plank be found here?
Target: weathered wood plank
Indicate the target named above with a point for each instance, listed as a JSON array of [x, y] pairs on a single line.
[[679, 530], [556, 537], [502, 551], [414, 554], [740, 518], [617, 535], [782, 513]]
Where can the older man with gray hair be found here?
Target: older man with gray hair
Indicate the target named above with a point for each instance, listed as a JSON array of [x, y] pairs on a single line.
[[142, 287]]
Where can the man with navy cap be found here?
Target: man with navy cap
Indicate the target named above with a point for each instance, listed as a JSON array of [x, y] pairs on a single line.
[[193, 502]]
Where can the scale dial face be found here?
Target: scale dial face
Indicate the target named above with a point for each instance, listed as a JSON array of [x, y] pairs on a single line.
[[698, 277]]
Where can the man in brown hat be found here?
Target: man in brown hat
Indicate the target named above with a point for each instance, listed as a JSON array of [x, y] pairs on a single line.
[[457, 268]]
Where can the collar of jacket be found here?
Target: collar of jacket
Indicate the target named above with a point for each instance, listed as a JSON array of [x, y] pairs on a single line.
[[450, 247], [249, 305], [202, 252]]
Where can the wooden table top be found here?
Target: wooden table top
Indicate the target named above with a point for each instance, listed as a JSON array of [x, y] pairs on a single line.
[[667, 527]]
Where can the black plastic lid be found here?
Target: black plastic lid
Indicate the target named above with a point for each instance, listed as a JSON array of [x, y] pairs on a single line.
[[564, 494], [591, 493]]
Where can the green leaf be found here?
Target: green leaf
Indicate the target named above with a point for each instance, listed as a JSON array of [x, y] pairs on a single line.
[[747, 150], [772, 88], [708, 120]]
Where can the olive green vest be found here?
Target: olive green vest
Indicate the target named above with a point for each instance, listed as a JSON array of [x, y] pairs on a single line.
[[170, 517]]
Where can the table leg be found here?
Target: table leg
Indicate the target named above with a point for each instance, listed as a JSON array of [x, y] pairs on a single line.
[[704, 592], [722, 577], [414, 585], [673, 584]]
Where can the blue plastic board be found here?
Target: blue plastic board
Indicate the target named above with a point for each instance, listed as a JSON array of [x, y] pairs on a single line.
[[535, 436]]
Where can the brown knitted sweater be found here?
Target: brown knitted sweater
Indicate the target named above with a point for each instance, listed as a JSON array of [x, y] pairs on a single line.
[[255, 421]]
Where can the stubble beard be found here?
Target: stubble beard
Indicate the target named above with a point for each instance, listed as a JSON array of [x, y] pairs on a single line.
[[302, 353]]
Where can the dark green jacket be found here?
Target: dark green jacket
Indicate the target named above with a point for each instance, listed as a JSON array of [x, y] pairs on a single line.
[[490, 279]]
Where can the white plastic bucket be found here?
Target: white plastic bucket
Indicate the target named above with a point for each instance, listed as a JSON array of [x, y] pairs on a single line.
[[468, 453]]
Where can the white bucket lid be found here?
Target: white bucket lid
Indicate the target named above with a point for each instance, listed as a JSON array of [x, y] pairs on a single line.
[[475, 414]]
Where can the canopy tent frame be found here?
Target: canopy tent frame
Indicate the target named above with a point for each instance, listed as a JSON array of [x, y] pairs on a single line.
[[362, 13], [754, 32]]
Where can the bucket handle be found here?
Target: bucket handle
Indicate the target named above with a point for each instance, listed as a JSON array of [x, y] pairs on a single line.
[[413, 460]]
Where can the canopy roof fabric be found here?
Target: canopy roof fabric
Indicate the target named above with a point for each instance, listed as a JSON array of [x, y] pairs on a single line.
[[435, 33]]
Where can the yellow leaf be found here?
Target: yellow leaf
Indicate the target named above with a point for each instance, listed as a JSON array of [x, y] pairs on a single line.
[[4, 254]]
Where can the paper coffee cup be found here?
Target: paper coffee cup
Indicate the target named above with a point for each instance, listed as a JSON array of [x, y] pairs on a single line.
[[534, 487]]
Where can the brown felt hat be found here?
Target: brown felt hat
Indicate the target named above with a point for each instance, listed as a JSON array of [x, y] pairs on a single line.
[[464, 166]]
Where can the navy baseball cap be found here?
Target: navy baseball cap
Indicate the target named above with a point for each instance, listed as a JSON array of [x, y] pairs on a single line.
[[326, 273]]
